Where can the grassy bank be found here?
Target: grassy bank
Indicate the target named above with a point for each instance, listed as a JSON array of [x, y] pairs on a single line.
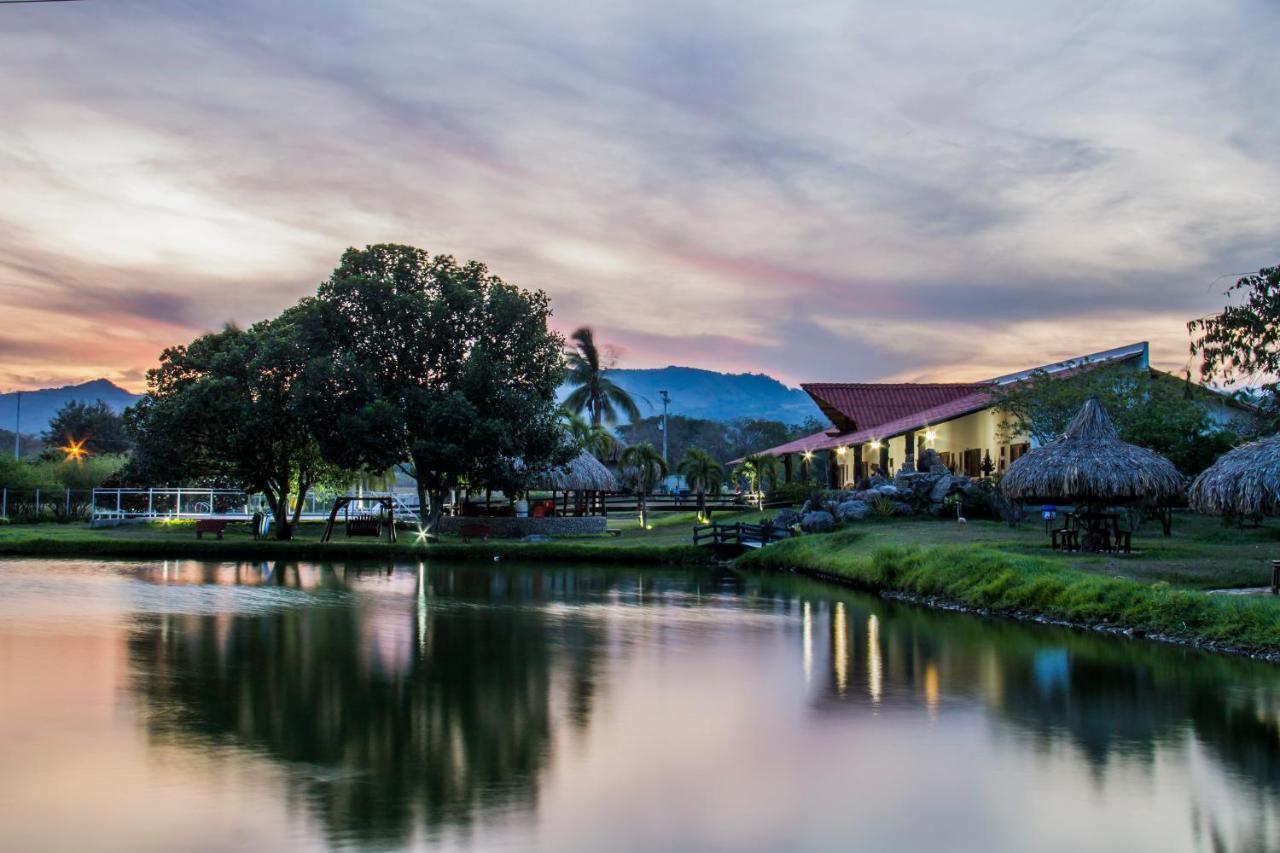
[[668, 546], [1001, 576]]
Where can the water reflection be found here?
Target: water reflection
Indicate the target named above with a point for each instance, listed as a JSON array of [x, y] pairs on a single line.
[[576, 708]]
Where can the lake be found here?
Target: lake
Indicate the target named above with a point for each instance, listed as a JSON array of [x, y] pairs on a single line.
[[228, 706]]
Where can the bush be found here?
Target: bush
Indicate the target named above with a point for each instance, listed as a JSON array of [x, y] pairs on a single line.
[[796, 493]]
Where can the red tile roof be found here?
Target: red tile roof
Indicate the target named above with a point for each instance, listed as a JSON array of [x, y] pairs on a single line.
[[861, 405]]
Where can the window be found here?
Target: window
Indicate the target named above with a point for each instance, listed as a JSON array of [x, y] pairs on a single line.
[[1016, 450], [973, 463]]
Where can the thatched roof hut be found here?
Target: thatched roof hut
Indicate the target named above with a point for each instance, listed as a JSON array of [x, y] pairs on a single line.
[[1090, 464], [1244, 481], [583, 473]]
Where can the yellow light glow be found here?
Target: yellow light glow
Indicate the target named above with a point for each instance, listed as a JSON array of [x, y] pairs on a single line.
[[875, 445], [930, 435], [808, 454], [840, 451], [75, 449]]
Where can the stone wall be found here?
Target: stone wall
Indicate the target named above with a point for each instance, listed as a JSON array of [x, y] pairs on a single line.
[[517, 528]]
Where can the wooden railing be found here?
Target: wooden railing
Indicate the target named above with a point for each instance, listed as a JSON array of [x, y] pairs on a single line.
[[739, 534]]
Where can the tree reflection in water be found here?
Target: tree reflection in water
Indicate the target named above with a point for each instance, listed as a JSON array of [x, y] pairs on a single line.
[[1114, 701], [414, 712]]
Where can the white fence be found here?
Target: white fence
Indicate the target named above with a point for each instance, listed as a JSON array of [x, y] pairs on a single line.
[[191, 502]]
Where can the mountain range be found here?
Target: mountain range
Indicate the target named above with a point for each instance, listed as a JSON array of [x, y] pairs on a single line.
[[39, 407], [713, 396], [695, 393]]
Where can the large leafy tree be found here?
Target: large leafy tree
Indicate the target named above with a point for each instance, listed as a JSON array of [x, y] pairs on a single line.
[[1240, 346], [645, 468], [93, 426], [703, 474], [1158, 411], [593, 391], [437, 366], [230, 408]]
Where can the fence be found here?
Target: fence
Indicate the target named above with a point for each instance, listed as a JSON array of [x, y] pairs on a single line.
[[27, 506]]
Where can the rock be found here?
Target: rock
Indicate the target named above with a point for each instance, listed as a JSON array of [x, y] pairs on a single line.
[[867, 495], [902, 508], [535, 537], [817, 522], [830, 506], [940, 489], [878, 480], [887, 489], [929, 460], [938, 509], [806, 507], [853, 510], [786, 518]]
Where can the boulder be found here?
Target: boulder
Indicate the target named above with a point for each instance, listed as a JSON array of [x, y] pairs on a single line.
[[878, 480], [806, 507], [929, 460], [853, 510], [786, 518], [535, 537], [887, 489], [817, 522], [940, 489], [867, 495], [938, 509], [902, 508]]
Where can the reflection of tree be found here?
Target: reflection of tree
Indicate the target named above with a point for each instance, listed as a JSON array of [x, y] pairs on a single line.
[[457, 721], [1109, 698]]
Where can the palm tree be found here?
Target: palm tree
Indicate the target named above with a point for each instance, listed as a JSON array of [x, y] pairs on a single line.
[[593, 391], [703, 473], [596, 440], [758, 468], [646, 468]]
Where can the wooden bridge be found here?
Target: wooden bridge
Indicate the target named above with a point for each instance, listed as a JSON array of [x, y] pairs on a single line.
[[737, 538]]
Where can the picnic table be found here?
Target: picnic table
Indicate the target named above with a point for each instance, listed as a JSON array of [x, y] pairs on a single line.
[[1103, 526]]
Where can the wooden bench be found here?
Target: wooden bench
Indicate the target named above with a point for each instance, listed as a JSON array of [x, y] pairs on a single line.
[[474, 529], [364, 525], [210, 525]]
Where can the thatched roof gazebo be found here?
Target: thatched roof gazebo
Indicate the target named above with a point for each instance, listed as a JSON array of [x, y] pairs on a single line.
[[1244, 481], [1088, 464], [582, 473], [586, 477]]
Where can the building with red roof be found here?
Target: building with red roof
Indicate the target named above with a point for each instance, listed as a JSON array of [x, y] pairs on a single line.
[[885, 426]]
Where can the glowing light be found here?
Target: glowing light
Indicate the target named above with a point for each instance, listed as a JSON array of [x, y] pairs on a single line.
[[930, 435], [422, 534], [875, 445], [808, 643], [808, 454], [74, 450], [840, 451]]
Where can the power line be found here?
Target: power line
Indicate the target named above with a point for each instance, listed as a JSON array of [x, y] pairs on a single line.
[[15, 2]]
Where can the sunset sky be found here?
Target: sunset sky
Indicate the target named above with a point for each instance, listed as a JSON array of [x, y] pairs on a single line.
[[815, 190]]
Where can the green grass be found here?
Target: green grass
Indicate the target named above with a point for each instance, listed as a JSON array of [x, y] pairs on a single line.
[[988, 566], [668, 545]]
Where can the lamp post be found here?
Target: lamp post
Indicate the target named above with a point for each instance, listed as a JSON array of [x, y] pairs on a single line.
[[666, 399]]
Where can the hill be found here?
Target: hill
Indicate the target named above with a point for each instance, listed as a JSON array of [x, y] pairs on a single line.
[[709, 395], [39, 407]]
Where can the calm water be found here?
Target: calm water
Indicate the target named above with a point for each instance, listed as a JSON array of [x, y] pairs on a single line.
[[196, 706]]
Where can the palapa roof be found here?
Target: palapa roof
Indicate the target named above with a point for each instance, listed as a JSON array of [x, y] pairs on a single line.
[[1244, 481], [583, 473], [1089, 462]]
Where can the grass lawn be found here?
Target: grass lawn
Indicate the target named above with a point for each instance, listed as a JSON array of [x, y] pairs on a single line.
[[985, 565], [1201, 553], [668, 541]]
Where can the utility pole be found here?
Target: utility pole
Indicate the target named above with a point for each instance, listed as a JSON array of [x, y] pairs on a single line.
[[666, 399], [17, 430]]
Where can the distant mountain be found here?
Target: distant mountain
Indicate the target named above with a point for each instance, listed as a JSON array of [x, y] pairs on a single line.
[[39, 407], [714, 396]]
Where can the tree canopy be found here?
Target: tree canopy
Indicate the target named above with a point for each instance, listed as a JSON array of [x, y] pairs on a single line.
[[421, 358], [1156, 411], [94, 426], [230, 408]]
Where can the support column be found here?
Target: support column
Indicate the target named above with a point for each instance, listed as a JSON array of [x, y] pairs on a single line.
[[884, 458], [857, 463], [909, 452], [833, 470], [786, 468]]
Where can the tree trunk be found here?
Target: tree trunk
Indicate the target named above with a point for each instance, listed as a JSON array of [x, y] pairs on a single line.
[[436, 497], [302, 496], [702, 504], [422, 500], [644, 510], [278, 500]]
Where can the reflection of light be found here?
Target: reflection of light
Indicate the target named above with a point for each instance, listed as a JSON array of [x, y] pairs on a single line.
[[931, 686], [840, 647], [422, 605], [875, 671], [808, 643]]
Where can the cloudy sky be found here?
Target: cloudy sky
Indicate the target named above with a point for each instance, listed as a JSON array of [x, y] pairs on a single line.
[[816, 190]]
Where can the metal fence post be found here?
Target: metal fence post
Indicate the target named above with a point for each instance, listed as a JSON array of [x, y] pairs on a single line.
[[151, 503], [66, 509], [37, 504], [4, 503], [118, 510], [179, 506]]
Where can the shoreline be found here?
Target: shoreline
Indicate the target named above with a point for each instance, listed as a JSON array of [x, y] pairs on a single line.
[[945, 577], [213, 549]]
